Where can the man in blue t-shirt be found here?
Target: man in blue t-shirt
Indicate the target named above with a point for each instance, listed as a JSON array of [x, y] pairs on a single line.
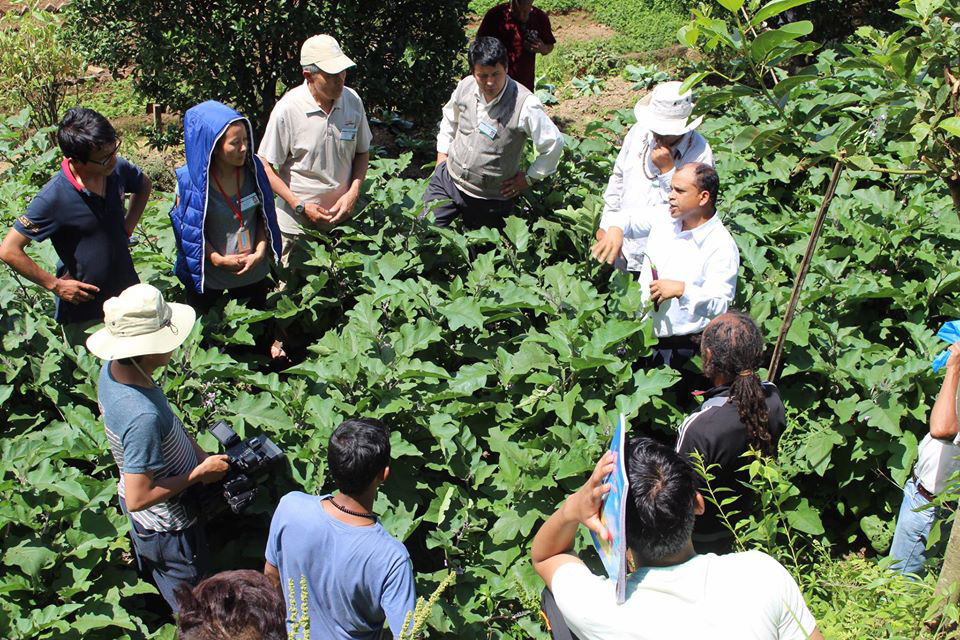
[[356, 574], [81, 210]]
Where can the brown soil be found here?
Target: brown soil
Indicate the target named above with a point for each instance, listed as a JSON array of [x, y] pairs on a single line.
[[567, 27], [578, 25], [572, 114]]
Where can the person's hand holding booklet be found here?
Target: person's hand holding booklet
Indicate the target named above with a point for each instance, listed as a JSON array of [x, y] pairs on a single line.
[[609, 535]]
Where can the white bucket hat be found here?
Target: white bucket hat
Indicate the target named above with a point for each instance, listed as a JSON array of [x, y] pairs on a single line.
[[325, 52], [666, 111], [139, 322]]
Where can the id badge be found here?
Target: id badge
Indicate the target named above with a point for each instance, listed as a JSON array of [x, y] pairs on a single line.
[[348, 133], [488, 130], [251, 200], [244, 241]]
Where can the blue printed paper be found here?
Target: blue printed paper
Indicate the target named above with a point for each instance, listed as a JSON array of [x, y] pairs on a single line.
[[613, 552]]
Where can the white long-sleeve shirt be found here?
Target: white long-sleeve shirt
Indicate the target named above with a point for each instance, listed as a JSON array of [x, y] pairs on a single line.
[[705, 259], [633, 194], [540, 129]]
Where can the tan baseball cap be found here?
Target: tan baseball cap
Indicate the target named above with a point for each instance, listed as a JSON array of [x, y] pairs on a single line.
[[325, 52]]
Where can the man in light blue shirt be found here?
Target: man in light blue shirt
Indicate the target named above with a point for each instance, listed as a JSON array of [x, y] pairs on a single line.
[[356, 574]]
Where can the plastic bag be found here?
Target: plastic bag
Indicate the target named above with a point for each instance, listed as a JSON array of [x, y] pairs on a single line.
[[949, 333]]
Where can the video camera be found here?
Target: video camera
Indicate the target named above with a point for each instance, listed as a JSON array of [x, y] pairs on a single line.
[[249, 460]]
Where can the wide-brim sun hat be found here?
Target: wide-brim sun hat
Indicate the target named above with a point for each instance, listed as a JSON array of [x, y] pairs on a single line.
[[666, 111], [325, 52], [140, 322]]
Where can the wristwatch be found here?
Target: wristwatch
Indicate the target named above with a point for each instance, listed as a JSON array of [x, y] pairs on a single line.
[[300, 208]]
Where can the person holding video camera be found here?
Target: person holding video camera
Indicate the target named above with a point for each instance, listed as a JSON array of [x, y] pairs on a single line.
[[157, 458], [357, 575]]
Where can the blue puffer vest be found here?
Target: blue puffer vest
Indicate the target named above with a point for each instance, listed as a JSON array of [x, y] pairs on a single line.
[[202, 127]]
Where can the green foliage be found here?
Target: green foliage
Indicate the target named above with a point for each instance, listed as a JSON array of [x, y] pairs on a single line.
[[649, 24], [584, 57], [588, 86], [645, 77], [480, 7], [862, 387], [498, 375], [115, 99], [40, 71], [244, 52], [416, 620]]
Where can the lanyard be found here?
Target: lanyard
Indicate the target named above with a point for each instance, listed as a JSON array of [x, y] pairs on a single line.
[[236, 210]]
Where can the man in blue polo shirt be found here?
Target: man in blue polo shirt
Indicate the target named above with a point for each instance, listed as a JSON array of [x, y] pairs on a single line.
[[81, 210]]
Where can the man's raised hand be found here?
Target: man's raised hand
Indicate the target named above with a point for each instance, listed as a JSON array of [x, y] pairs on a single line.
[[662, 158], [608, 246], [584, 505]]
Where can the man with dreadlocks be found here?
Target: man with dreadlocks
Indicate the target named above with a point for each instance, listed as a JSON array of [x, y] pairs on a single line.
[[739, 413]]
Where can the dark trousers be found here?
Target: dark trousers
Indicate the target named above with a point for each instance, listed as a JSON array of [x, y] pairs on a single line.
[[170, 558], [255, 294], [558, 625], [676, 352], [473, 212]]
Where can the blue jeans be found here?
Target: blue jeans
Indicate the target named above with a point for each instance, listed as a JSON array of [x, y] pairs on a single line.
[[909, 547]]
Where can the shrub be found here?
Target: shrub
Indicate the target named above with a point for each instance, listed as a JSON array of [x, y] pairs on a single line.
[[244, 52], [40, 71]]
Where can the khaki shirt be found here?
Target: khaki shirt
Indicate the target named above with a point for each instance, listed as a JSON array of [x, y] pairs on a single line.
[[313, 149]]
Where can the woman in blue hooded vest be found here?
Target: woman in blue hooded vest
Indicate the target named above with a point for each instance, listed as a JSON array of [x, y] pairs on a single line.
[[224, 219]]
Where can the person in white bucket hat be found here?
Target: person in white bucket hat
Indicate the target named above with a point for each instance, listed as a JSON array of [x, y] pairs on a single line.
[[157, 458], [663, 140]]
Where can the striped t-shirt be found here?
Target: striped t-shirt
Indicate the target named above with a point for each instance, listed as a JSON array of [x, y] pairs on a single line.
[[146, 436]]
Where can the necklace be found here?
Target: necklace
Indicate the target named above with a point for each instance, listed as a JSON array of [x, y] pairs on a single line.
[[358, 514], [144, 374]]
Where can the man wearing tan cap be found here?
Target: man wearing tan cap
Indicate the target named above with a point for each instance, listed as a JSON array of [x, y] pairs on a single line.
[[316, 146]]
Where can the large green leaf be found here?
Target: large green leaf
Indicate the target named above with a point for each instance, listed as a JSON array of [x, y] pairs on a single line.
[[775, 8], [767, 41]]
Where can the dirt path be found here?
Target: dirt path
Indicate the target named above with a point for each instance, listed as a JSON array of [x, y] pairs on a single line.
[[578, 25], [573, 114]]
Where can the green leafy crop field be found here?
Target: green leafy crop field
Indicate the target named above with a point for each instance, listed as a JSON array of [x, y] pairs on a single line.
[[500, 374]]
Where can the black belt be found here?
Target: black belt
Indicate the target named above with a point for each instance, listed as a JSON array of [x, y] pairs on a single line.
[[690, 340]]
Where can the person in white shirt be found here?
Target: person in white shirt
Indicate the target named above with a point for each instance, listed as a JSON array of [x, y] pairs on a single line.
[[663, 140], [673, 592], [936, 462], [484, 130], [316, 147], [691, 268]]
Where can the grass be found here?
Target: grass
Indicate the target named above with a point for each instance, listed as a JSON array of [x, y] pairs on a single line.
[[114, 99], [648, 24], [480, 7], [641, 25], [854, 598]]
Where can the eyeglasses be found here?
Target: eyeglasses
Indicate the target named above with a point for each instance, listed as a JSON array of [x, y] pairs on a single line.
[[109, 157]]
